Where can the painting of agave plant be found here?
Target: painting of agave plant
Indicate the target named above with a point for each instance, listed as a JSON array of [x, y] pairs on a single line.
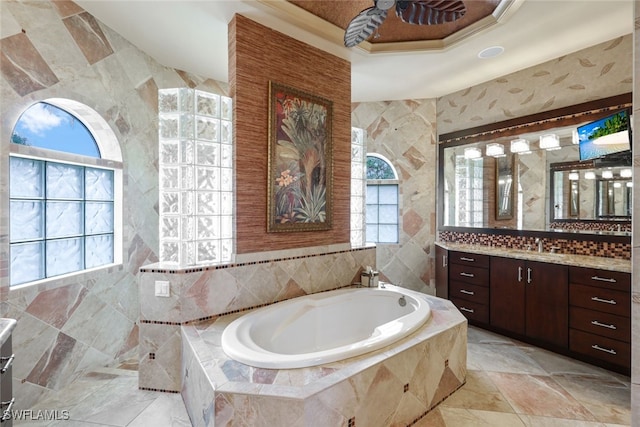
[[299, 160]]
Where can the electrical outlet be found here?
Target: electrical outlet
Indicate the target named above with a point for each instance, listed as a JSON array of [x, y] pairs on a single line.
[[163, 289]]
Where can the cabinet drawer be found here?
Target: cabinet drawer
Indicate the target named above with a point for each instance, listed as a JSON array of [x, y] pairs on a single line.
[[600, 299], [469, 292], [465, 258], [469, 274], [472, 310], [599, 323], [612, 351], [601, 278]]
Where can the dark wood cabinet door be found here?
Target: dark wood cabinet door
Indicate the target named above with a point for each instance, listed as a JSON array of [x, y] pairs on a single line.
[[547, 296], [442, 272], [507, 294]]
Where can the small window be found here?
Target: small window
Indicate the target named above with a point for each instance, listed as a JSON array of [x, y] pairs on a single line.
[[46, 126], [63, 197], [382, 212]]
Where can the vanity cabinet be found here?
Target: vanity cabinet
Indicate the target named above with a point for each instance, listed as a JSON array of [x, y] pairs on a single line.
[[600, 315], [530, 298], [442, 272], [469, 285], [580, 312]]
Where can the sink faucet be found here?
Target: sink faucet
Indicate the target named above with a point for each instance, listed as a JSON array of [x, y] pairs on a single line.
[[540, 242]]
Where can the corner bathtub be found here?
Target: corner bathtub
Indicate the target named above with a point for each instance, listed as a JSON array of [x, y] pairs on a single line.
[[324, 327]]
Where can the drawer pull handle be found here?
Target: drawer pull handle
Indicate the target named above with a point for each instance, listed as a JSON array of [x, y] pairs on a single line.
[[604, 325], [466, 274], [519, 274], [464, 258], [528, 275], [6, 414], [606, 350], [604, 279], [606, 301], [468, 310], [444, 260], [8, 360], [464, 291]]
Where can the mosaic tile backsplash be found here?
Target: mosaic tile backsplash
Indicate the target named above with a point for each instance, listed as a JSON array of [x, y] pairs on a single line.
[[564, 246]]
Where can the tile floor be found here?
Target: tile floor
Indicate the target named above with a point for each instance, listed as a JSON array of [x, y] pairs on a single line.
[[508, 384]]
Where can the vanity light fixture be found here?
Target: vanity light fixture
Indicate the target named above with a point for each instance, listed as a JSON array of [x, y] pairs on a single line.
[[617, 185], [550, 141], [607, 174], [590, 175], [574, 176], [629, 184], [626, 173], [495, 150], [472, 153], [520, 145]]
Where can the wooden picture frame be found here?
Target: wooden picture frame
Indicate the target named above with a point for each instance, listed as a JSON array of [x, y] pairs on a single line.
[[300, 185]]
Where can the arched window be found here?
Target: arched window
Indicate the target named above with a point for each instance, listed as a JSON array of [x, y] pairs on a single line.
[[65, 191], [382, 200]]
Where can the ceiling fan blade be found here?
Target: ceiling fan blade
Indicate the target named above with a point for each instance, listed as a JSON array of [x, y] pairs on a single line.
[[363, 25], [430, 12]]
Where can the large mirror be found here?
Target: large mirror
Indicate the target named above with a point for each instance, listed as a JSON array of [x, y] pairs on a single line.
[[536, 175]]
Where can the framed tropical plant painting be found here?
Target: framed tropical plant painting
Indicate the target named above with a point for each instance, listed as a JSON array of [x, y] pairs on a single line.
[[300, 159]]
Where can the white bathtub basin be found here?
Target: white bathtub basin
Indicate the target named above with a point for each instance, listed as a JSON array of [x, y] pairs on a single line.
[[324, 327]]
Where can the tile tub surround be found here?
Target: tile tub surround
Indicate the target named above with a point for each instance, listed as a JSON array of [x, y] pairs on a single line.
[[202, 293], [396, 385], [603, 263]]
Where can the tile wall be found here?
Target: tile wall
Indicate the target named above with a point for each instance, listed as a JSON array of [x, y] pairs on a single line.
[[69, 325], [404, 132]]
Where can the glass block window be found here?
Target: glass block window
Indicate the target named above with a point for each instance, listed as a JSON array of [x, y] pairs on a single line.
[[62, 218], [469, 192], [358, 187], [382, 201], [64, 197], [196, 177]]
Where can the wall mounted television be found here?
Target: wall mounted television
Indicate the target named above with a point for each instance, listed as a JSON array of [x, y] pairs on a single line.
[[606, 137]]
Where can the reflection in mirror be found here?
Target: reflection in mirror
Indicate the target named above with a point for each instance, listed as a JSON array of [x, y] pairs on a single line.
[[614, 199], [581, 192], [504, 187], [463, 190]]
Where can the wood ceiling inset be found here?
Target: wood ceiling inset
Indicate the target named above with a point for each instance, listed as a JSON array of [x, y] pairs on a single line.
[[393, 30]]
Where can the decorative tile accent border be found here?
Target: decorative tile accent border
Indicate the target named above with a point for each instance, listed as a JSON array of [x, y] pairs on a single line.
[[167, 268], [593, 226], [565, 246]]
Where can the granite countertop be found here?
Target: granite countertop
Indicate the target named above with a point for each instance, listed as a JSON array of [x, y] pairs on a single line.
[[6, 327], [611, 264]]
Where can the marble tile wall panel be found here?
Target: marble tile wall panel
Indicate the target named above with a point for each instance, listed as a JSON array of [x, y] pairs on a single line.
[[209, 292], [69, 325], [404, 132], [597, 72]]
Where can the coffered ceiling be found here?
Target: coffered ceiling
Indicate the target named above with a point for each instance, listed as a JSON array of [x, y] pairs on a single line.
[[401, 61]]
